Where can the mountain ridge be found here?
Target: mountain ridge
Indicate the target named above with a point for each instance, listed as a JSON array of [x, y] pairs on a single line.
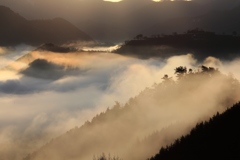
[[15, 29], [197, 41]]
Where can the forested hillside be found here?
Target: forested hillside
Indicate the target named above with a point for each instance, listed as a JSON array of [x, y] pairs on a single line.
[[154, 118], [218, 138], [196, 41]]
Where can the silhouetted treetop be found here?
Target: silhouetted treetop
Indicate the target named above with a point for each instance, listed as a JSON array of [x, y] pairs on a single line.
[[180, 71], [104, 157]]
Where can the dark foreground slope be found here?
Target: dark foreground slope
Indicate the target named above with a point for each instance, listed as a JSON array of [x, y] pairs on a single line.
[[219, 138], [15, 29]]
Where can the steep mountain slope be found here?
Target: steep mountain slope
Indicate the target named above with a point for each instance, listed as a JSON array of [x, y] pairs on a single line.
[[196, 96], [15, 30], [218, 138]]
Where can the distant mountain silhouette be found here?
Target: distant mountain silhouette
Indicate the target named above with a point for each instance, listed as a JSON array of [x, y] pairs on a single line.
[[198, 42], [218, 138], [15, 29]]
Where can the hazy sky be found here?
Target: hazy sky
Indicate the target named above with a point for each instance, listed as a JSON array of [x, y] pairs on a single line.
[[117, 22], [35, 6]]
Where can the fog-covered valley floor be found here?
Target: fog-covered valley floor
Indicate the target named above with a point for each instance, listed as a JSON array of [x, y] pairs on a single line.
[[44, 94]]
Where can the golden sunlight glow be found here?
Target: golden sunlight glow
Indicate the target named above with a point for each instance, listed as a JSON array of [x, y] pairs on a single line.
[[170, 0], [6, 75], [2, 50], [113, 0]]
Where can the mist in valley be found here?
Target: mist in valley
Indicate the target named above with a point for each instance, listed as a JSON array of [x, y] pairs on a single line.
[[76, 87], [39, 103]]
